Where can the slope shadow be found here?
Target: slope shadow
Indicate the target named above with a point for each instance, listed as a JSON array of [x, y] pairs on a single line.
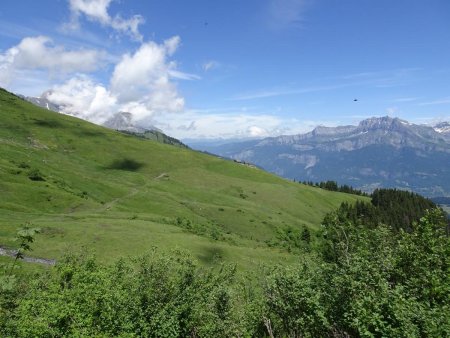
[[48, 123], [126, 164], [84, 132]]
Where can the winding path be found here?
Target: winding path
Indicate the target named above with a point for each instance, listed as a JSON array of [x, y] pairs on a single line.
[[12, 253]]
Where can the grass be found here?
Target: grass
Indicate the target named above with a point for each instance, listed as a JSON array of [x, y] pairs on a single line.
[[118, 195]]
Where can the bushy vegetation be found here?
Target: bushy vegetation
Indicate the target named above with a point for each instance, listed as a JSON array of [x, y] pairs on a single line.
[[155, 295], [362, 282]]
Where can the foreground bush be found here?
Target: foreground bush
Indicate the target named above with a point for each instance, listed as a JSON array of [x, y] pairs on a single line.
[[157, 295], [363, 282]]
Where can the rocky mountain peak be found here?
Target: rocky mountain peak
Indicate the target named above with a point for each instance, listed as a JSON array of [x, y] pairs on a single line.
[[122, 121], [383, 123], [330, 131], [43, 101], [442, 128]]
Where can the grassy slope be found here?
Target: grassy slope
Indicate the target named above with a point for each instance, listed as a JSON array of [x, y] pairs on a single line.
[[121, 195]]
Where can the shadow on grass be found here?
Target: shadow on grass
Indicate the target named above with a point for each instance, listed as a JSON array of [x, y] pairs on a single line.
[[48, 123], [89, 133], [126, 164], [211, 255]]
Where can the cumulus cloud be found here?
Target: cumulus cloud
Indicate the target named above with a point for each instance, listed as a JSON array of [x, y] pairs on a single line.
[[82, 97], [146, 76], [140, 84], [40, 53], [97, 10]]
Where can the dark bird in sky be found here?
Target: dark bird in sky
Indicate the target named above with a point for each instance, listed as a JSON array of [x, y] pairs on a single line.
[[355, 100]]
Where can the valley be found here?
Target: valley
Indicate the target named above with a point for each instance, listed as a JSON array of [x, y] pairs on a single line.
[[92, 188]]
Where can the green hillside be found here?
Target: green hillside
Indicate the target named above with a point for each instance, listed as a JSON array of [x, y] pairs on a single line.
[[116, 194]]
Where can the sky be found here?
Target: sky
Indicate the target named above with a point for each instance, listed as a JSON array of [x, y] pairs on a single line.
[[203, 69]]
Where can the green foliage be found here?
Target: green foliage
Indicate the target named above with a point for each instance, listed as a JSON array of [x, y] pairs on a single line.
[[400, 208], [386, 283], [11, 287], [35, 175], [396, 208], [365, 282], [25, 237], [293, 302], [153, 296], [293, 239]]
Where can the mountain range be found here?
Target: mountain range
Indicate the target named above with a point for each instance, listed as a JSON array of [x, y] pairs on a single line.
[[378, 152]]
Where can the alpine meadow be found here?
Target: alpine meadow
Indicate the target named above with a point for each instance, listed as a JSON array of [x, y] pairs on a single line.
[[215, 169]]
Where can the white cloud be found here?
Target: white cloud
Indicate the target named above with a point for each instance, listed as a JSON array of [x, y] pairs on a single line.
[[392, 111], [83, 98], [145, 76], [97, 10], [255, 131], [39, 53], [286, 13], [175, 74], [172, 44], [140, 84], [286, 91], [406, 99], [210, 65], [213, 124]]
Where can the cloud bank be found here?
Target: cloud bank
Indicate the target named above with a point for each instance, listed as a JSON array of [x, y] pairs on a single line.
[[217, 124]]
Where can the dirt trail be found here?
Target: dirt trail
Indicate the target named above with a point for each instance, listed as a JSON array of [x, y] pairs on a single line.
[[12, 253], [133, 192], [163, 175], [110, 204]]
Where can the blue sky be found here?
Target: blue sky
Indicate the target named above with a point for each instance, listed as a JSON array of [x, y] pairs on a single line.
[[211, 69]]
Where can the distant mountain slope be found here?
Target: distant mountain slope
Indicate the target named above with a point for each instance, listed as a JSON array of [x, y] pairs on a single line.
[[121, 121], [114, 194], [379, 152], [43, 102], [157, 136]]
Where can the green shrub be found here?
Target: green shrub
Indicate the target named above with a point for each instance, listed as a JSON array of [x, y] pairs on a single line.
[[35, 175]]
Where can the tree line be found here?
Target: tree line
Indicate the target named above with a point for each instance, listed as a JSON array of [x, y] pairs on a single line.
[[334, 186]]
